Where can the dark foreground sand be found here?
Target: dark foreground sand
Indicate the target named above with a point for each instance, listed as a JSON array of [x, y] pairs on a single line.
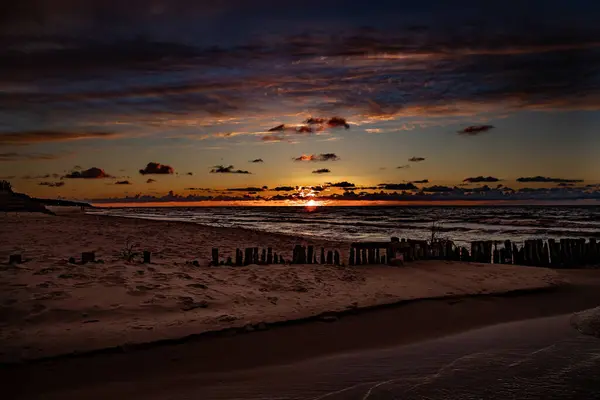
[[268, 363]]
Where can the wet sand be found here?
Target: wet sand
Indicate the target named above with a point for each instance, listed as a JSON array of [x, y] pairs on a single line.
[[289, 359]]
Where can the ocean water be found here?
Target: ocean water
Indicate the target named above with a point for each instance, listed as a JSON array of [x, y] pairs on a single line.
[[460, 224]]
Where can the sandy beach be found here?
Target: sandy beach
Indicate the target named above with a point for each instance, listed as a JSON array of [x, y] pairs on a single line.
[[52, 307]]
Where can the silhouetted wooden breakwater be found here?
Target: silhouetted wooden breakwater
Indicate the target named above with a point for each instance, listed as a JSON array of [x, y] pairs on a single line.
[[564, 253]]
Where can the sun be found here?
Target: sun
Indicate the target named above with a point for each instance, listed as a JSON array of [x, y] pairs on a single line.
[[312, 203]]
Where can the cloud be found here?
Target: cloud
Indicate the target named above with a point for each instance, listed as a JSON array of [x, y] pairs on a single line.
[[52, 184], [548, 180], [257, 160], [45, 176], [397, 186], [150, 180], [190, 173], [479, 179], [199, 189], [338, 122], [154, 168], [343, 184], [284, 188], [405, 166], [248, 189], [31, 137], [321, 171], [318, 158], [28, 156], [475, 130], [123, 183], [416, 159], [437, 189], [422, 181], [271, 138], [221, 169], [92, 173]]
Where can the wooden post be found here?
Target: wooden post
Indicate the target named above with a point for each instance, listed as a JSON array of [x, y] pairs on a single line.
[[310, 255], [383, 259], [248, 255], [358, 261], [15, 259], [281, 259], [464, 256], [508, 259], [475, 251], [215, 256], [87, 257], [496, 255], [269, 255], [377, 258], [336, 257], [515, 253], [239, 257], [255, 258], [275, 258], [263, 256], [545, 255], [371, 256], [329, 257], [594, 255], [147, 256], [351, 258], [323, 255]]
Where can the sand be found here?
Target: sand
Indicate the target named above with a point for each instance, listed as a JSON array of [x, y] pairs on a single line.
[[50, 307]]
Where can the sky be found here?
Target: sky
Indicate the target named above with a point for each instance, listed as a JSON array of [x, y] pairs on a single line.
[[138, 101]]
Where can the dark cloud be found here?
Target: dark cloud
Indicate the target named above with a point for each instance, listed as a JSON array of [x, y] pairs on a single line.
[[154, 168], [405, 166], [221, 169], [92, 173], [248, 189], [318, 158], [475, 130], [397, 186], [321, 171], [52, 184], [190, 173], [479, 179], [564, 184], [416, 159], [150, 180], [437, 189], [257, 160], [31, 137], [278, 128], [28, 156], [199, 189], [422, 181], [343, 184], [123, 183], [545, 179], [338, 122], [284, 188]]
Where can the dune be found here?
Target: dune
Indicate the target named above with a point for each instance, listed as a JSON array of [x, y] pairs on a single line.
[[50, 306]]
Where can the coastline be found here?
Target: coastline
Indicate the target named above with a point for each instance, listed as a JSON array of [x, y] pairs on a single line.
[[52, 307], [224, 360]]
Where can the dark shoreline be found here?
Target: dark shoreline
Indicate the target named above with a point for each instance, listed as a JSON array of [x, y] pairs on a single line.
[[332, 316], [285, 343]]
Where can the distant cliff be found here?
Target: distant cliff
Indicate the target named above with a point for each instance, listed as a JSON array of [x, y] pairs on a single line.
[[11, 201]]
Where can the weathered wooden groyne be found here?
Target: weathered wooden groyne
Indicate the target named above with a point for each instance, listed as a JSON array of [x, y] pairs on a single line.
[[552, 253]]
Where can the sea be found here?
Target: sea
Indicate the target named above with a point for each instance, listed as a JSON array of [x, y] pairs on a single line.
[[462, 224]]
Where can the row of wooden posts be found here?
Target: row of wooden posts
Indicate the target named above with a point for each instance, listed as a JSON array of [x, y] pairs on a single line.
[[563, 253]]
